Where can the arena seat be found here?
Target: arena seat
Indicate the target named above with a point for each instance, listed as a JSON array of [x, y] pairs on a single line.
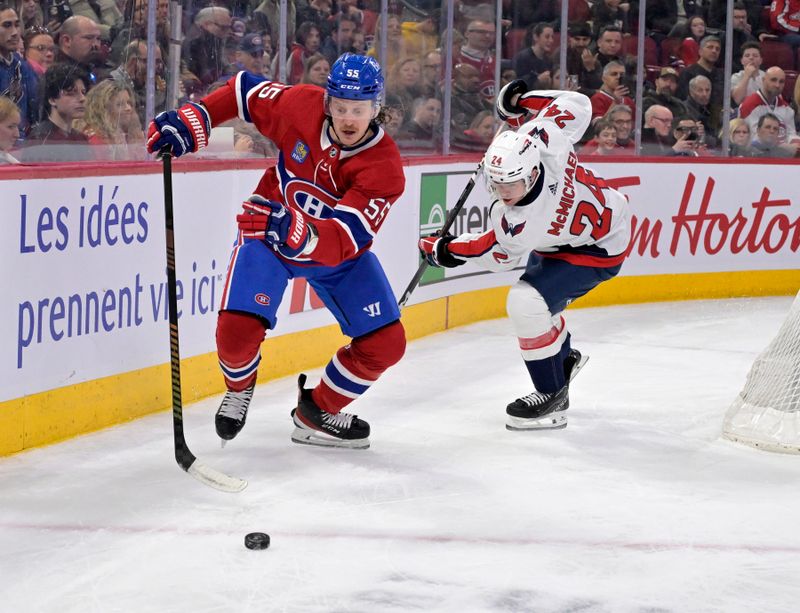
[[776, 53]]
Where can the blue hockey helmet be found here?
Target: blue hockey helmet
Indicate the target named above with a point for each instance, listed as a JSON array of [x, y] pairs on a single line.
[[355, 77]]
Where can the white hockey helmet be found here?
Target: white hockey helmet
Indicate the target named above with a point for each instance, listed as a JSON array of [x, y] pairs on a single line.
[[511, 157]]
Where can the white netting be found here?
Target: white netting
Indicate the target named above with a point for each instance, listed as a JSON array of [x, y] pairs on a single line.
[[766, 414]]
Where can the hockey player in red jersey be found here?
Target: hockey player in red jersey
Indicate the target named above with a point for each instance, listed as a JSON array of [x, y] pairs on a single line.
[[556, 217], [313, 215]]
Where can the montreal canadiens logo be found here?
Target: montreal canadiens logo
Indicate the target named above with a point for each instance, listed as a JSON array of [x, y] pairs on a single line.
[[309, 198], [262, 299]]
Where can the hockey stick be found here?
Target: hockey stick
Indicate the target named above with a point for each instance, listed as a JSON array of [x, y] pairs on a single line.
[[451, 219], [185, 458]]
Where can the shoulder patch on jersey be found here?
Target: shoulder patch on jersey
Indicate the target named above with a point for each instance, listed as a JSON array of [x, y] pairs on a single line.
[[300, 152], [541, 134], [511, 229]]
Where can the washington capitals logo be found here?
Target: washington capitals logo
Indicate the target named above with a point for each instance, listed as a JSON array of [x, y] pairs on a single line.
[[510, 229], [541, 135]]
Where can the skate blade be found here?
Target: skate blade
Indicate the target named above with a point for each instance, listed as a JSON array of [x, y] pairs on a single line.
[[312, 437], [550, 422]]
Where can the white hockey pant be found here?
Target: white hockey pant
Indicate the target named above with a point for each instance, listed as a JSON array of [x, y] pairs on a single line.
[[540, 333]]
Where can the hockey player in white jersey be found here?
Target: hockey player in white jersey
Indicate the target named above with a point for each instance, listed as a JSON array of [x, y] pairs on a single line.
[[559, 219]]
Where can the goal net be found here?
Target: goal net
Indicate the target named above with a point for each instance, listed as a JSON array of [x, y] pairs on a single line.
[[766, 414]]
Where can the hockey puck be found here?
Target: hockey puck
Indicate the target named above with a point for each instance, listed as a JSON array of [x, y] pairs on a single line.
[[256, 540]]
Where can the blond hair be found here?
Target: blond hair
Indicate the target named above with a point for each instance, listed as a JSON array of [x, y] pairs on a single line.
[[7, 107], [97, 119]]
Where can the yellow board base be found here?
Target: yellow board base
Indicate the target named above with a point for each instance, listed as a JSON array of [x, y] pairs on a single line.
[[65, 412]]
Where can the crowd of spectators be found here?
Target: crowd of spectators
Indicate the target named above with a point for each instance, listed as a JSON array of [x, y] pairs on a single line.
[[76, 70]]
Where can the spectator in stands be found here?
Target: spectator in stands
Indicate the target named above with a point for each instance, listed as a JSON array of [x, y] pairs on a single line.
[[534, 63], [664, 94], [706, 66], [621, 115], [478, 50], [609, 47], [669, 17], [698, 106], [340, 39], [687, 138], [79, 45], [718, 11], [307, 42], [18, 81], [750, 79], [481, 130], [689, 49], [316, 71], [9, 130], [132, 74], [31, 15], [742, 34], [204, 51], [250, 55], [136, 27], [40, 50], [405, 81], [395, 43], [359, 42], [424, 125], [769, 99], [610, 13], [767, 142], [266, 16], [466, 99], [605, 137], [613, 91], [578, 53], [54, 138], [318, 12], [657, 136], [105, 13], [110, 123], [432, 75], [784, 16], [740, 136], [392, 120], [795, 104]]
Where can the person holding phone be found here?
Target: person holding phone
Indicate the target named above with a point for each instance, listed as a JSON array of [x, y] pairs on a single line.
[[687, 137], [614, 90]]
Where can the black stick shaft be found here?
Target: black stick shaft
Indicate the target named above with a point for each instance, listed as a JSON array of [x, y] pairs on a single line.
[[451, 218], [184, 457]]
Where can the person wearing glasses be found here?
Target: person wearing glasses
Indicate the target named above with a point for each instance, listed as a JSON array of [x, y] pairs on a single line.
[[740, 138], [18, 81], [657, 136], [79, 45], [204, 49], [40, 50], [477, 51]]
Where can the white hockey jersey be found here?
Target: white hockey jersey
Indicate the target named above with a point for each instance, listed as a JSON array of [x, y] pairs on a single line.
[[573, 215]]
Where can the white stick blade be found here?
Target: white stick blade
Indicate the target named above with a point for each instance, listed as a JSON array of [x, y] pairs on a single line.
[[216, 479]]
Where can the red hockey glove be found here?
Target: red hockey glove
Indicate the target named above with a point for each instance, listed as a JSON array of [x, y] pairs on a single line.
[[434, 250], [184, 130], [281, 227]]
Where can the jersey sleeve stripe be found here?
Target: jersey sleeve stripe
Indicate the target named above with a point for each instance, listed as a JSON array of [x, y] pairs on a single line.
[[347, 231], [358, 214], [473, 248], [359, 234]]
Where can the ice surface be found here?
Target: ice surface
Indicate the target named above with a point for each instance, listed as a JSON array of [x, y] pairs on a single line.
[[638, 505]]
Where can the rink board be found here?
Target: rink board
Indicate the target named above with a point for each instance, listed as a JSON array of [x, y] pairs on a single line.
[[85, 343]]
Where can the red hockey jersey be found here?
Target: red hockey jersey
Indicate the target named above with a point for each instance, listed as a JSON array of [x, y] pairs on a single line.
[[348, 190]]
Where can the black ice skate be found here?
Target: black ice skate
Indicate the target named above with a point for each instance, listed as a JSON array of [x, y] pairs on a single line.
[[232, 413], [313, 426], [545, 411]]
